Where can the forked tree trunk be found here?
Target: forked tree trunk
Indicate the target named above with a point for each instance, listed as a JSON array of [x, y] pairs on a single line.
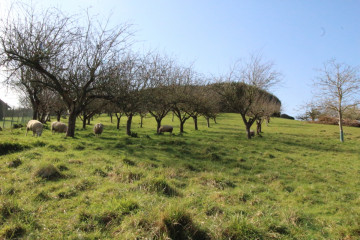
[[128, 125], [248, 124], [215, 120], [182, 126], [195, 122], [248, 131], [111, 116]]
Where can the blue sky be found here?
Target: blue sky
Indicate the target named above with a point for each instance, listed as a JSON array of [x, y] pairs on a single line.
[[298, 36]]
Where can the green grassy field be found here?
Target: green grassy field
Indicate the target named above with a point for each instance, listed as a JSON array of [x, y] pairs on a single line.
[[296, 182]]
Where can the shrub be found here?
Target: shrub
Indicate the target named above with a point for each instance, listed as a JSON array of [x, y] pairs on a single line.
[[335, 121], [287, 116], [49, 172], [6, 148]]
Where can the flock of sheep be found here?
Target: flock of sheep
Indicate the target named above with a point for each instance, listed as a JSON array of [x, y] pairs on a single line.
[[56, 127]]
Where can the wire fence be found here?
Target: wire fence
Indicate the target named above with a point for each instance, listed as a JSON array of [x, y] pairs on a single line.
[[15, 117]]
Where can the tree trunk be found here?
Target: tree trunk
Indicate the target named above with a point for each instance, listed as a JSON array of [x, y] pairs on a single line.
[[208, 122], [35, 114], [141, 121], [182, 126], [158, 121], [172, 117], [195, 122], [248, 131], [71, 125], [84, 121], [247, 124], [215, 120], [111, 117], [43, 117], [88, 121], [267, 121], [118, 123], [58, 116], [341, 127], [128, 125], [258, 126], [35, 106]]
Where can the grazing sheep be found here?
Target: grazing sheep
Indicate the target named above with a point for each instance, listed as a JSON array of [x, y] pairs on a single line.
[[166, 128], [35, 126], [252, 133], [58, 127], [98, 129]]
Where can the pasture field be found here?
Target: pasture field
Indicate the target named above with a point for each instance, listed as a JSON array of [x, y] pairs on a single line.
[[296, 182]]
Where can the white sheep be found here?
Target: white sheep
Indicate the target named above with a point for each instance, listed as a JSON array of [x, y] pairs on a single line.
[[35, 126], [98, 129], [166, 128], [58, 127]]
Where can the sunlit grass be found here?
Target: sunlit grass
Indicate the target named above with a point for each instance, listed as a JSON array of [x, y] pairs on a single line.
[[297, 181]]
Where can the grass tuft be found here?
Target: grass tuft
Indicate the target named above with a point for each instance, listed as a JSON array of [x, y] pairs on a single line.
[[15, 163], [178, 224], [240, 228], [7, 147], [57, 148], [160, 186], [13, 231], [48, 172]]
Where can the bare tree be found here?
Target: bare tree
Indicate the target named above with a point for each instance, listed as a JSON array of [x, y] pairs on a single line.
[[75, 61], [266, 105], [182, 92], [311, 111], [257, 72], [160, 72], [207, 103], [130, 81], [338, 85]]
